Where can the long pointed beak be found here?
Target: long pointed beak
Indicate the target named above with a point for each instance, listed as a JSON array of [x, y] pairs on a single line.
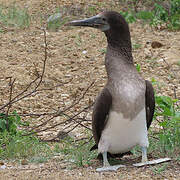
[[95, 22]]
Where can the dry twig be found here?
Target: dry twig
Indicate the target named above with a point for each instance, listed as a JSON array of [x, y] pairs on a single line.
[[71, 121], [22, 94]]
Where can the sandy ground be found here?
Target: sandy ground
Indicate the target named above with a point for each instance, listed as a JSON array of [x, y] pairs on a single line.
[[75, 60]]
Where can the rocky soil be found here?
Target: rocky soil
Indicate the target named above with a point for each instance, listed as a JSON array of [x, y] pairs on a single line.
[[75, 60]]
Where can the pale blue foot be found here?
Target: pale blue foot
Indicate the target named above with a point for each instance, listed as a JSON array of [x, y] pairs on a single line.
[[144, 154], [155, 161], [145, 161], [107, 166]]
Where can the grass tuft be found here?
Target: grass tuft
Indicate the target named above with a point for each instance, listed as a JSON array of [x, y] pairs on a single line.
[[13, 16], [159, 16], [55, 21], [13, 145], [78, 153]]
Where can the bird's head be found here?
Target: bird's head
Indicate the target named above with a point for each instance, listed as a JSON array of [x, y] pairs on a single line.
[[99, 22], [111, 23], [105, 21]]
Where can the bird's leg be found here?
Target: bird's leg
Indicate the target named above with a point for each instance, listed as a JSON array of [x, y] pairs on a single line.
[[107, 166], [145, 159], [144, 154], [105, 160]]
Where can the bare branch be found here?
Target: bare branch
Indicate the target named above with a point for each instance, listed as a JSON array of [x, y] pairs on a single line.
[[59, 112], [16, 99], [58, 124], [69, 121], [11, 83]]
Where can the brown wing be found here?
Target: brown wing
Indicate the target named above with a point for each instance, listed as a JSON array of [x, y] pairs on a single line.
[[150, 103], [100, 114]]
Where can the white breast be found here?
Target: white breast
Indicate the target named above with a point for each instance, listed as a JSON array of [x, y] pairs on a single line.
[[121, 135]]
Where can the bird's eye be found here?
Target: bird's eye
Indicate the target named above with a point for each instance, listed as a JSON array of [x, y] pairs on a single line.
[[104, 19]]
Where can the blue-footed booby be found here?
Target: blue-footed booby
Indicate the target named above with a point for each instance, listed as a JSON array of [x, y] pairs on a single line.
[[124, 109]]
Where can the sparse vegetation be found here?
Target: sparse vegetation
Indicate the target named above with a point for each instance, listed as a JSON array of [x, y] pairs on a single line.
[[55, 21], [14, 16], [129, 16], [77, 152], [166, 138], [67, 65], [138, 67], [136, 45], [159, 169], [14, 145], [159, 16], [168, 116]]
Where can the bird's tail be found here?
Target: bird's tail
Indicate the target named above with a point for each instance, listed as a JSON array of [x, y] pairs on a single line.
[[120, 155], [94, 147]]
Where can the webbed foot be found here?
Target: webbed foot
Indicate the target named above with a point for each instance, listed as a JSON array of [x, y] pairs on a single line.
[[156, 161], [109, 168]]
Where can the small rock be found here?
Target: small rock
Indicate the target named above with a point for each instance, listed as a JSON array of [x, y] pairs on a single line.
[[24, 162], [75, 54], [62, 134], [84, 52], [3, 167], [161, 60], [54, 17], [156, 44], [86, 165]]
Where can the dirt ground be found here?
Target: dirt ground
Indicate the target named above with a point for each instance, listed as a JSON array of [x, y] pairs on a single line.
[[75, 60]]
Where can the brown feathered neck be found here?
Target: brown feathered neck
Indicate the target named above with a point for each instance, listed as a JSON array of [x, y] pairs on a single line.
[[118, 36]]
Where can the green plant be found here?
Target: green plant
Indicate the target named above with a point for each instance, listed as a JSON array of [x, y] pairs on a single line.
[[39, 159], [78, 40], [178, 63], [159, 169], [169, 122], [55, 21], [19, 146], [170, 17], [156, 83], [14, 145], [102, 51], [14, 17], [93, 36], [136, 46], [9, 122], [138, 67], [129, 16], [92, 10], [165, 139], [144, 15], [77, 153], [160, 14], [174, 22]]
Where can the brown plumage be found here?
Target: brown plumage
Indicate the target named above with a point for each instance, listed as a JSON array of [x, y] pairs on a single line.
[[124, 108]]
